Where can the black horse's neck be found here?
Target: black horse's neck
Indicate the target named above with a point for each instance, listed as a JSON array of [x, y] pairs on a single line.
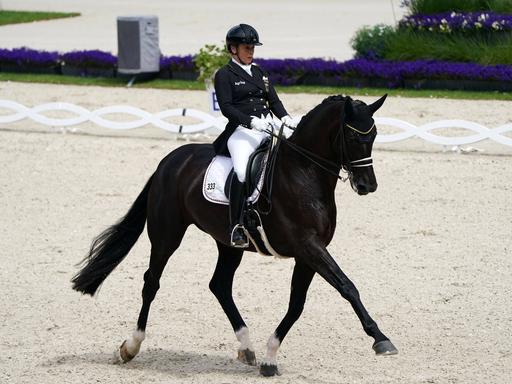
[[320, 127], [318, 134]]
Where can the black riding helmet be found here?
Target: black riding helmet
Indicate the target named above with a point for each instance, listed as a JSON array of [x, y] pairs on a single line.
[[242, 34]]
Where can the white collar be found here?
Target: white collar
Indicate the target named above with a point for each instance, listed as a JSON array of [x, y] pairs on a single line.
[[246, 68]]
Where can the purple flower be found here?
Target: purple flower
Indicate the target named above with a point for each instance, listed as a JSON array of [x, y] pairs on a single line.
[[177, 63], [91, 59], [448, 22], [392, 73], [397, 71], [29, 57]]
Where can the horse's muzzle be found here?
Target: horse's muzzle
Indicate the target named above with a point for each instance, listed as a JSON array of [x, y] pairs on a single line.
[[364, 184], [364, 189]]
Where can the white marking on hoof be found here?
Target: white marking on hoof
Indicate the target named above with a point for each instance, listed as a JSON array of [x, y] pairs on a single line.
[[246, 351], [242, 335], [131, 346], [273, 345]]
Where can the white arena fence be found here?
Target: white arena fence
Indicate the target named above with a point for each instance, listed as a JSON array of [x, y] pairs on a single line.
[[142, 118]]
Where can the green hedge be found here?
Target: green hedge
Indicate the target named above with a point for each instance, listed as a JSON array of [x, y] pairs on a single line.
[[439, 6], [485, 49], [405, 45]]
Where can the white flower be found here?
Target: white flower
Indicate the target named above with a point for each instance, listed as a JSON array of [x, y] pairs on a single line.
[[496, 25], [482, 17]]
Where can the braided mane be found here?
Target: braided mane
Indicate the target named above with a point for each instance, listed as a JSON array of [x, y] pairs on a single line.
[[325, 102], [334, 98]]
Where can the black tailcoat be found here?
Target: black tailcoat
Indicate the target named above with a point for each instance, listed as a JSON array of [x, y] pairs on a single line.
[[241, 96]]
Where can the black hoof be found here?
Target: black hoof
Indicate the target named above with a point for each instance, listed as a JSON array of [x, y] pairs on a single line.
[[268, 370], [385, 348], [247, 356]]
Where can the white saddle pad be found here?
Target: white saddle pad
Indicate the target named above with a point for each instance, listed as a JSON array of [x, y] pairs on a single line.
[[215, 181]]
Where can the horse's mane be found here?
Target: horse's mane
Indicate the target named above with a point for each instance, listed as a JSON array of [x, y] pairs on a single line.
[[325, 102]]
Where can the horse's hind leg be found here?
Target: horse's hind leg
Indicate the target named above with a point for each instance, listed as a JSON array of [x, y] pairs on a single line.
[[221, 286], [161, 251]]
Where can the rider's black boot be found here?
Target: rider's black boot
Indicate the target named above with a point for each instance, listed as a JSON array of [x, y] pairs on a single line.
[[237, 197]]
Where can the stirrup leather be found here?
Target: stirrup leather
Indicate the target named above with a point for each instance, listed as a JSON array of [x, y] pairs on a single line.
[[245, 241]]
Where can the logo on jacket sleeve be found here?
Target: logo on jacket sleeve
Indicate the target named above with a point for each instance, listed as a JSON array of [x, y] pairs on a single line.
[[241, 82]]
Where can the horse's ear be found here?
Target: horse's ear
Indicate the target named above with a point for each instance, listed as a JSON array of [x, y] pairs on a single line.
[[375, 106]]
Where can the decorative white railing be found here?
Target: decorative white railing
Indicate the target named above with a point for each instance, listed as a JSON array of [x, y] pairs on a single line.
[[410, 130], [207, 121]]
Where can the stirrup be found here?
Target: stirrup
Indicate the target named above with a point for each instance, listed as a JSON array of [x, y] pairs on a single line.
[[240, 243]]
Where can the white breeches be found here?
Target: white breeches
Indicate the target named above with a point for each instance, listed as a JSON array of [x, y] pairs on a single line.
[[241, 144]]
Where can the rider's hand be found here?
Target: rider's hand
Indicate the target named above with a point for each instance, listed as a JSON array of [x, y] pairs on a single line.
[[289, 122], [259, 124]]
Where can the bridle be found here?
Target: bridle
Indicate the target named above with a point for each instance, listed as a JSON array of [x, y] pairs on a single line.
[[350, 164], [333, 168]]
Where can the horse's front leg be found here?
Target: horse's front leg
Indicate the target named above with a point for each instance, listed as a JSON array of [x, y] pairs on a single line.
[[301, 279], [221, 285], [319, 259]]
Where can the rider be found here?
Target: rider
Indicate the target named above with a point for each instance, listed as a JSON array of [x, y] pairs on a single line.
[[248, 99]]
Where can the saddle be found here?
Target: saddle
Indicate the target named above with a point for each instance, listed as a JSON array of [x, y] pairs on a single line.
[[218, 176], [216, 190]]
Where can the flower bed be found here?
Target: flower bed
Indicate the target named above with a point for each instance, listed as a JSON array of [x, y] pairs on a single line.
[[85, 59], [358, 72], [391, 73], [178, 67], [29, 60], [458, 22], [92, 63], [437, 6]]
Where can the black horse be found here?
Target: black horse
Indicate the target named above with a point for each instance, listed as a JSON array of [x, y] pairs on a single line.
[[336, 135]]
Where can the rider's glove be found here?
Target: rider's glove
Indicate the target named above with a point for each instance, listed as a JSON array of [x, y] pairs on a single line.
[[289, 122], [259, 124]]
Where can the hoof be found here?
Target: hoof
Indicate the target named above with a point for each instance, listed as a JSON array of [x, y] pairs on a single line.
[[385, 348], [125, 355], [268, 370], [247, 356]]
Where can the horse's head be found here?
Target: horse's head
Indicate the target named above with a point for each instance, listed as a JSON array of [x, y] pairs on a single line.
[[357, 137]]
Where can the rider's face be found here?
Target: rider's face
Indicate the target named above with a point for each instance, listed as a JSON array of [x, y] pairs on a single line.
[[244, 53]]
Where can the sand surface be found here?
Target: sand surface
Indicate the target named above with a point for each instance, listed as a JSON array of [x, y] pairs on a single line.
[[430, 252]]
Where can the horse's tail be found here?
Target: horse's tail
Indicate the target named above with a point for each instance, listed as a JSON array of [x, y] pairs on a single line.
[[111, 246]]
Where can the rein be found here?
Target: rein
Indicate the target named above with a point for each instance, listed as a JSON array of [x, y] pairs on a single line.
[[318, 160], [313, 157], [327, 165]]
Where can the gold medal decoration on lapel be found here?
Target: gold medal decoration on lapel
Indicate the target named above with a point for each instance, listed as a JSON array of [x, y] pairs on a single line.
[[265, 81]]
